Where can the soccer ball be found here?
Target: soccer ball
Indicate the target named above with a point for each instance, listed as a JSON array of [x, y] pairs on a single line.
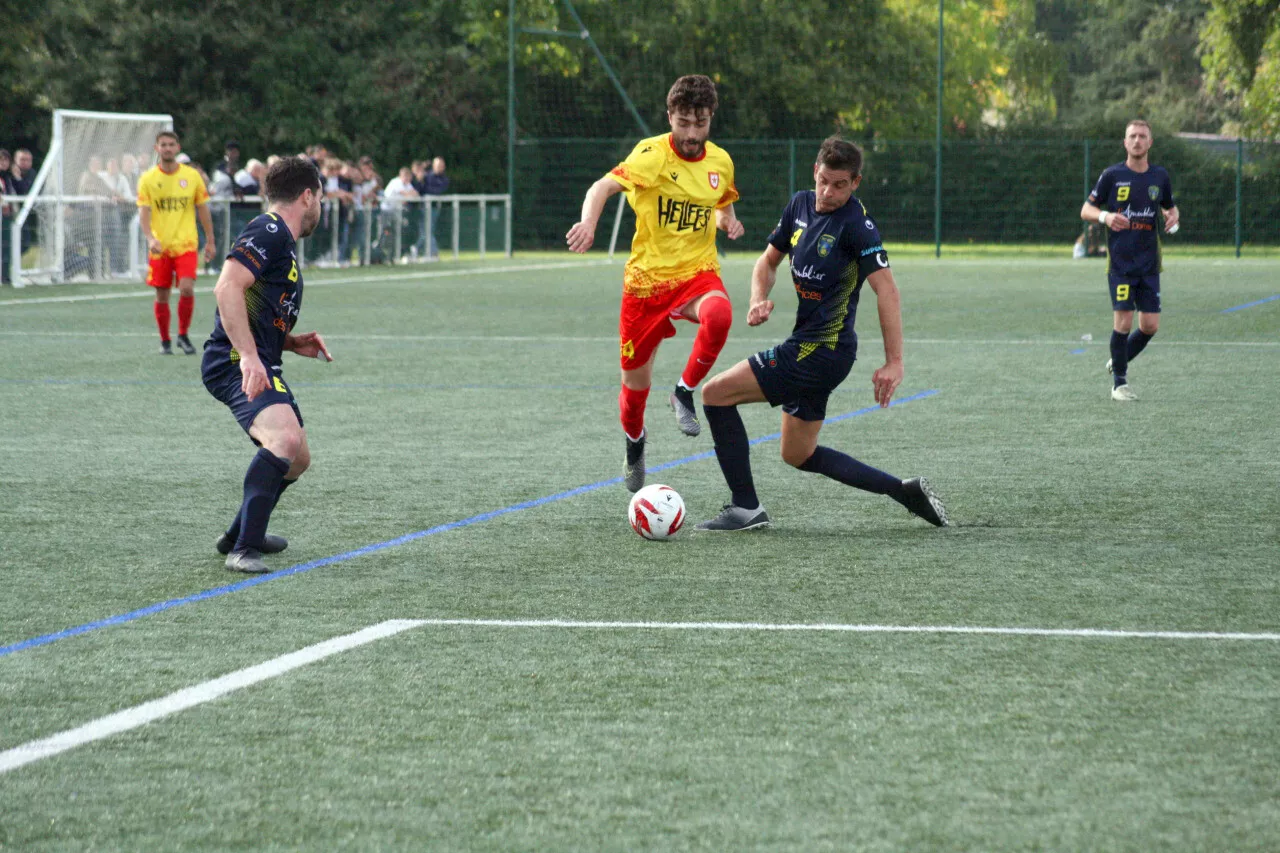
[[656, 512]]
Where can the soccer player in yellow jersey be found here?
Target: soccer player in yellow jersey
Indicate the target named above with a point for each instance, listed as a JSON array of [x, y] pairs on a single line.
[[170, 197], [681, 187]]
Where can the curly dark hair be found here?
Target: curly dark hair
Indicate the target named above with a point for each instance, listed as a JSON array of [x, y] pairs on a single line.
[[289, 177], [840, 155], [692, 93]]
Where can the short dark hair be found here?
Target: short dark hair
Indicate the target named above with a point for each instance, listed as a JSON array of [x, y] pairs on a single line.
[[840, 155], [289, 177], [692, 93], [169, 133]]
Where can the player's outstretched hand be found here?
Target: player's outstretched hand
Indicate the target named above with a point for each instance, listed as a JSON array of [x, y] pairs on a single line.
[[1118, 222], [581, 236], [253, 377], [311, 345], [733, 228], [886, 380], [759, 312]]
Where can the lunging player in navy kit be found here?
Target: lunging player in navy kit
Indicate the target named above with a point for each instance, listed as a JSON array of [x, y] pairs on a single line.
[[1125, 200], [834, 246], [259, 294]]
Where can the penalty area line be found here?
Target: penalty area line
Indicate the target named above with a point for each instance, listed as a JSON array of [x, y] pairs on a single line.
[[161, 606], [147, 712]]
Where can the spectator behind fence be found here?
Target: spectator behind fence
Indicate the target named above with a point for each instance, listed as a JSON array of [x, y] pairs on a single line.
[[436, 183], [6, 212], [229, 165], [366, 183], [249, 179], [22, 172], [398, 190], [339, 189]]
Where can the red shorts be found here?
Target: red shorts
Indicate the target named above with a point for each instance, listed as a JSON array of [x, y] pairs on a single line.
[[646, 322], [165, 267]]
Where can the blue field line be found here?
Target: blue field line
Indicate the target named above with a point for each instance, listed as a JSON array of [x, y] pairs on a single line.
[[1250, 304], [162, 606], [1078, 352]]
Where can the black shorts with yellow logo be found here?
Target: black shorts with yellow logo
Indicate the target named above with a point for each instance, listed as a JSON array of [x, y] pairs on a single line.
[[800, 376], [221, 375]]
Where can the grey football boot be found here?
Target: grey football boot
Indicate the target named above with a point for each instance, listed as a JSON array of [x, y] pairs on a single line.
[[633, 466], [923, 501], [686, 414], [736, 518]]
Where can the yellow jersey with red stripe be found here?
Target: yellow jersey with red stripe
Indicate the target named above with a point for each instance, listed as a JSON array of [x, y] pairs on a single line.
[[675, 200], [172, 198]]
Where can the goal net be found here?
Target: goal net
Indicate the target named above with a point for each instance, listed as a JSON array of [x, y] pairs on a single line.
[[80, 222]]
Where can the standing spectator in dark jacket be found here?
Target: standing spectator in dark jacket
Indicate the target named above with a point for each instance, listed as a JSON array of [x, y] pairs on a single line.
[[22, 172], [6, 213], [436, 182]]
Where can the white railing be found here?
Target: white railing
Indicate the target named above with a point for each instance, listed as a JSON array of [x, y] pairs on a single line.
[[100, 238]]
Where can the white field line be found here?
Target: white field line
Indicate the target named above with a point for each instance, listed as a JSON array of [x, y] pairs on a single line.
[[318, 282], [140, 715], [613, 339], [821, 627]]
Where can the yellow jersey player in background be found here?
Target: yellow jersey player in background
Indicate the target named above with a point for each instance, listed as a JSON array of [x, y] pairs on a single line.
[[170, 196], [681, 187]]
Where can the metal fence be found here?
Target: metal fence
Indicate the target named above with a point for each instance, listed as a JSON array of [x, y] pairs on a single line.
[[101, 239], [993, 192]]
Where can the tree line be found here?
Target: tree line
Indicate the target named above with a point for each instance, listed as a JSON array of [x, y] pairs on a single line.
[[404, 79]]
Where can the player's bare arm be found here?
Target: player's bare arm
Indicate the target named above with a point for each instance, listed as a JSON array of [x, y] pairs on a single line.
[[206, 224], [583, 233], [144, 220], [234, 281], [1114, 221], [308, 344], [763, 278], [889, 304], [727, 221], [1170, 219]]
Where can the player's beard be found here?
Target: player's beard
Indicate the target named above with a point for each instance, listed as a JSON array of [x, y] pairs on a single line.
[[693, 148], [309, 223]]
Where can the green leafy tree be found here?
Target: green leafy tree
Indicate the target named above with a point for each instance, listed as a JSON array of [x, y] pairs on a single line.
[[1240, 50]]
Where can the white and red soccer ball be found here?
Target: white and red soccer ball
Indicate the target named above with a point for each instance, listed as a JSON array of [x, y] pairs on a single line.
[[656, 512]]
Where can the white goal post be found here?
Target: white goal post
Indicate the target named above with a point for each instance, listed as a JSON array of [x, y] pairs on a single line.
[[80, 220]]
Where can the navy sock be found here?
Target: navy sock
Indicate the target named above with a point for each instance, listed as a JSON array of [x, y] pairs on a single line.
[[733, 452], [262, 488], [844, 468], [1119, 357], [1137, 343], [233, 532]]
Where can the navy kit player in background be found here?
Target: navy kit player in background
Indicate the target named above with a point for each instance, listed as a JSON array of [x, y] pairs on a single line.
[[259, 294], [834, 247], [1126, 199]]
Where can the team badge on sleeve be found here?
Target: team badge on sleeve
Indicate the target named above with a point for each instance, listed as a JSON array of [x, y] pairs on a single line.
[[714, 179]]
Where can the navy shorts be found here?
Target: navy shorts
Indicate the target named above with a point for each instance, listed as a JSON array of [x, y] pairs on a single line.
[[800, 377], [222, 377], [1135, 292]]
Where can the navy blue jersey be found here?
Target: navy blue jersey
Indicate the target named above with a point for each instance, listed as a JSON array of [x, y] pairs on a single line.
[[1136, 195], [831, 254], [267, 249]]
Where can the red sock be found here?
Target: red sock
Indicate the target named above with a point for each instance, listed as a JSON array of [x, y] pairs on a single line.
[[715, 316], [631, 404], [186, 307], [162, 319]]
